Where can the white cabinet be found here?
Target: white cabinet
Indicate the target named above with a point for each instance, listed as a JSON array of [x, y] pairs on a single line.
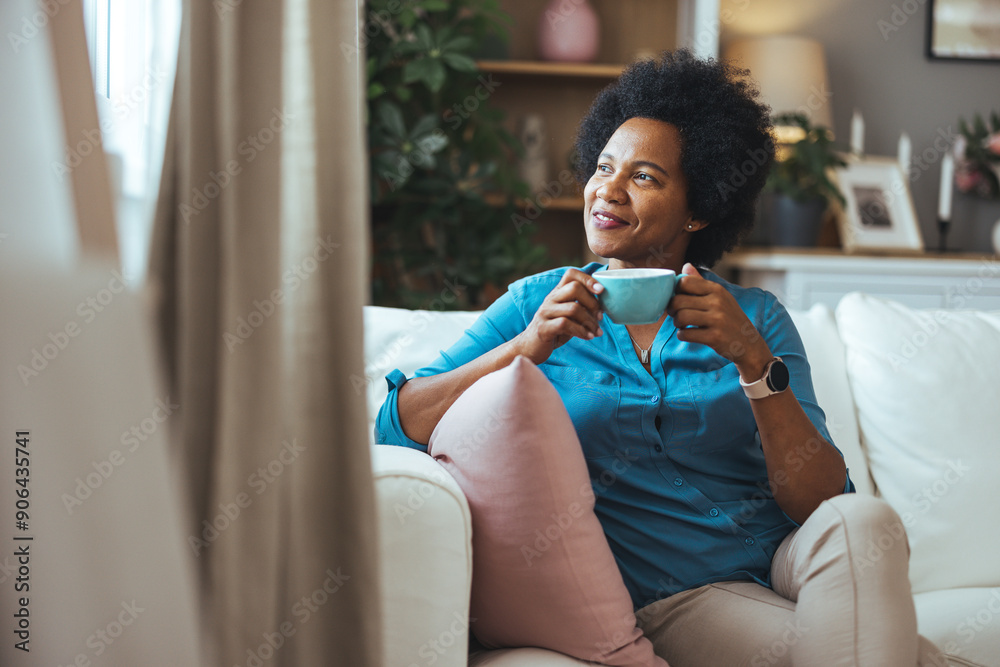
[[801, 278]]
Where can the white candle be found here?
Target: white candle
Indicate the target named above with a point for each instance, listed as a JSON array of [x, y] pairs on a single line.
[[905, 153], [944, 197], [857, 133]]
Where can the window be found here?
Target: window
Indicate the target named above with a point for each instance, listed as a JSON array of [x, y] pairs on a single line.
[[133, 56]]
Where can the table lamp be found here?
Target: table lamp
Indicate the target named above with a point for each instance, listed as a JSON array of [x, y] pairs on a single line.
[[791, 74]]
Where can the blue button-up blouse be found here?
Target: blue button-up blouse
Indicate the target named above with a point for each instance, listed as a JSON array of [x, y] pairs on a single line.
[[674, 456]]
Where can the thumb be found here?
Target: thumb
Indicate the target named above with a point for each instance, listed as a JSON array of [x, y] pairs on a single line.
[[689, 270]]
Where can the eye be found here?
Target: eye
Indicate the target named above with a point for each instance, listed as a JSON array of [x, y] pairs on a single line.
[[605, 168], [642, 176]]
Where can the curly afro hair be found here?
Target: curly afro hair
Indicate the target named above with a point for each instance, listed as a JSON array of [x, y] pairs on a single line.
[[727, 146]]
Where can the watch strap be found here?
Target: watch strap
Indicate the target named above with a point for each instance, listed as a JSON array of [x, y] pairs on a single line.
[[760, 388]]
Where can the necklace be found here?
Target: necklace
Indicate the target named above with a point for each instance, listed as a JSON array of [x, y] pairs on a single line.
[[643, 353]]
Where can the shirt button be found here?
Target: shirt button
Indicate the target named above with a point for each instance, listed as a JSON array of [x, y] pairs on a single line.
[[749, 541], [658, 448], [713, 512], [654, 398], [678, 481], [657, 422]]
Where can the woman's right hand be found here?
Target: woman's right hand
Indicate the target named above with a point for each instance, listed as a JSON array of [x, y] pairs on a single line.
[[570, 309]]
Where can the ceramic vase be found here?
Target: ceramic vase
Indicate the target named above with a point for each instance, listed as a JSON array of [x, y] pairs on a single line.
[[569, 31]]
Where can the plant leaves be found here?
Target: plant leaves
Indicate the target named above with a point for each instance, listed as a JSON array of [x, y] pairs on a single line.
[[428, 70], [391, 118], [424, 125], [460, 62]]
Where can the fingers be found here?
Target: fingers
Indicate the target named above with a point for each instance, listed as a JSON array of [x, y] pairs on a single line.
[[688, 317], [578, 286], [689, 270], [574, 313], [565, 327], [681, 302]]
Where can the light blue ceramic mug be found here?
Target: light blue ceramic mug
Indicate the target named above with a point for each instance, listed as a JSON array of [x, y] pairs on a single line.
[[636, 296]]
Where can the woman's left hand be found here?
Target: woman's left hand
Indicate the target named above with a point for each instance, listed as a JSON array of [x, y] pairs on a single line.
[[705, 312]]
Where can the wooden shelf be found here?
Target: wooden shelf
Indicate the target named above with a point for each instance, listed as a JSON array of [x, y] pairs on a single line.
[[546, 203], [543, 68]]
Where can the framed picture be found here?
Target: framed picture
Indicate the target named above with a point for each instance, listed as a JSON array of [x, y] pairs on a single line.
[[878, 212], [964, 30]]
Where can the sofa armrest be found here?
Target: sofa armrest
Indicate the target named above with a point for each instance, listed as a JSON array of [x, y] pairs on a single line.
[[425, 532]]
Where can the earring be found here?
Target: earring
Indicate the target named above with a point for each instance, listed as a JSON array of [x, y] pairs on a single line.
[[690, 226]]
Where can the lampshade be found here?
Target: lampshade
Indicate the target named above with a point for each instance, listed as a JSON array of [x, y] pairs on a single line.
[[790, 72]]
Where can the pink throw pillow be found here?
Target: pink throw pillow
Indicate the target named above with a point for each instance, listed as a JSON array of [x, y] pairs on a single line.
[[543, 574]]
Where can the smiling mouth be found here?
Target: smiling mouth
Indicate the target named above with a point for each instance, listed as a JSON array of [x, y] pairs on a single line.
[[605, 220]]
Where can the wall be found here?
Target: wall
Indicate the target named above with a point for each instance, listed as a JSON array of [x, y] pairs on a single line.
[[881, 69]]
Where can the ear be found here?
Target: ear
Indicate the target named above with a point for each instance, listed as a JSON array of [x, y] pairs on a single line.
[[693, 225]]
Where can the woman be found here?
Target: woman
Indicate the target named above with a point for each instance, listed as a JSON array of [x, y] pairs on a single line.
[[728, 517]]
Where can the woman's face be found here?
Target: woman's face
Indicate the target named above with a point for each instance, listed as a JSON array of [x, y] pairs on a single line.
[[635, 204]]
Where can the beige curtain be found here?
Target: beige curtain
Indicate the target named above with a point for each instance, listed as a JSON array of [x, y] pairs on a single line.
[[260, 252]]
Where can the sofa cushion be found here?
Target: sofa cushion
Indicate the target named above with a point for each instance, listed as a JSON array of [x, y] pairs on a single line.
[[407, 340], [925, 386], [964, 623], [543, 573], [825, 352]]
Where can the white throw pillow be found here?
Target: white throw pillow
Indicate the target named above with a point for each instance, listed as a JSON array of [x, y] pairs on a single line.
[[926, 386], [818, 331], [407, 340]]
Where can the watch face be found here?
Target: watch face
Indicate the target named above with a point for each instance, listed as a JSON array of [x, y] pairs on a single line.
[[777, 376]]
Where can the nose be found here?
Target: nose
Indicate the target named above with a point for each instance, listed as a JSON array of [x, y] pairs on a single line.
[[612, 190]]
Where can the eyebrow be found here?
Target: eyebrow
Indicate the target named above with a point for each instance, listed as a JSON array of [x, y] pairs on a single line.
[[640, 163]]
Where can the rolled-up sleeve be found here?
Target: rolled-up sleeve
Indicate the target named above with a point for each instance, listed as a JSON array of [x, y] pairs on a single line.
[[501, 322]]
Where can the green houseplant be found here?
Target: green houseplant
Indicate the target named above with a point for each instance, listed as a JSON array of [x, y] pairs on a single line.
[[443, 175], [799, 189]]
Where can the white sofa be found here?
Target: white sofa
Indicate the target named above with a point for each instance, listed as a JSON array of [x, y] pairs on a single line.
[[426, 527]]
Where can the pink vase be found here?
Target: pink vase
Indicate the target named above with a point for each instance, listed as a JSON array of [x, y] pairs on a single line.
[[569, 30]]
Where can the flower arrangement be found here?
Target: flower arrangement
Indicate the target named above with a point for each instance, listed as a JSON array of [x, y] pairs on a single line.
[[977, 157]]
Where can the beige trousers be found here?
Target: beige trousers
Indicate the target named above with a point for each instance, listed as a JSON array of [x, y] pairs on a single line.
[[841, 597]]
